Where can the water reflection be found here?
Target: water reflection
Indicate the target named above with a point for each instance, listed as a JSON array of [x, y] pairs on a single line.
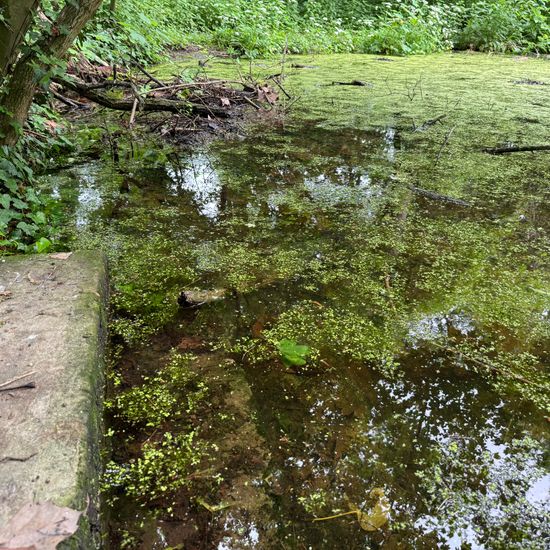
[[313, 216], [198, 176]]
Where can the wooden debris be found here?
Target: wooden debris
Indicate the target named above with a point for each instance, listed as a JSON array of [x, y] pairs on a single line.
[[437, 197], [428, 123], [352, 83], [516, 149]]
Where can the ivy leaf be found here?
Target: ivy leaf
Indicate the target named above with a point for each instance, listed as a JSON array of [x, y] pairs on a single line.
[[6, 216], [19, 204]]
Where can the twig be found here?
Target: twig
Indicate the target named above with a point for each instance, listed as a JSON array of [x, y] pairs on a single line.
[[436, 196], [253, 103], [133, 113], [276, 80], [447, 137], [16, 458], [429, 123], [147, 74], [336, 516], [17, 378], [29, 385]]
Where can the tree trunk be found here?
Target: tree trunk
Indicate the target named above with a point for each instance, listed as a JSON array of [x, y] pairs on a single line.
[[24, 79], [18, 16]]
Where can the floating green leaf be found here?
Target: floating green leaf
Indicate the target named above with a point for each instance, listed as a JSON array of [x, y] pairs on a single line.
[[292, 353]]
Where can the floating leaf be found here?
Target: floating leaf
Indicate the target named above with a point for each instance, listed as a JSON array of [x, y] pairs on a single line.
[[372, 520], [378, 514], [292, 353], [212, 508]]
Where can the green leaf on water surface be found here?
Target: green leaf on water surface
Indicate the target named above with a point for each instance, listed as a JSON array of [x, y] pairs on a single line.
[[213, 508], [372, 520], [292, 353]]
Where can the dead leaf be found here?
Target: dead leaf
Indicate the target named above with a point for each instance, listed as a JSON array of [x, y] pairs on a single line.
[[61, 255], [225, 102], [190, 342], [5, 293], [40, 526], [378, 515], [32, 279], [267, 94], [51, 126], [372, 520]]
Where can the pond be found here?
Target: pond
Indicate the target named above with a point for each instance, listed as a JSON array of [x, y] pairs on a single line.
[[331, 329]]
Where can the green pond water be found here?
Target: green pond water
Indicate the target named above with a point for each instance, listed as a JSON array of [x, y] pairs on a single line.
[[423, 402]]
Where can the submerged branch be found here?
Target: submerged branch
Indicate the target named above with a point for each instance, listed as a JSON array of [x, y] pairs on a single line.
[[437, 197], [516, 149], [428, 123]]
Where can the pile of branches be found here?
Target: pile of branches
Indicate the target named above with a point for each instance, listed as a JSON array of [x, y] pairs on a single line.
[[191, 105]]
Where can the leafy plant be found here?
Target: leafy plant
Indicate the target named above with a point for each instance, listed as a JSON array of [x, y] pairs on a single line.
[[26, 217]]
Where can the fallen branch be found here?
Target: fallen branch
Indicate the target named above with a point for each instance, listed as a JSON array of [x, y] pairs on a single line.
[[437, 197], [148, 105], [29, 385], [17, 378], [429, 123], [351, 83], [69, 102], [516, 149]]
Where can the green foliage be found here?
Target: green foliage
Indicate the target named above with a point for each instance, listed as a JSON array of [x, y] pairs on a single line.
[[27, 219], [171, 393], [507, 26], [163, 467], [141, 30], [292, 353], [412, 27]]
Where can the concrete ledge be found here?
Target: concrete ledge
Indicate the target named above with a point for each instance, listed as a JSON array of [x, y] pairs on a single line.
[[52, 325]]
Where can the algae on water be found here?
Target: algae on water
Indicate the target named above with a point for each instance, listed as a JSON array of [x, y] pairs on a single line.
[[423, 323]]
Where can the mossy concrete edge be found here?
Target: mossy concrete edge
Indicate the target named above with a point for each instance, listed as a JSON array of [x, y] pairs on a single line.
[[92, 306], [72, 292]]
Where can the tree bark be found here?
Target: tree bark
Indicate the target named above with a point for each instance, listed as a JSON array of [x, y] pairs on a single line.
[[23, 81], [18, 16]]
